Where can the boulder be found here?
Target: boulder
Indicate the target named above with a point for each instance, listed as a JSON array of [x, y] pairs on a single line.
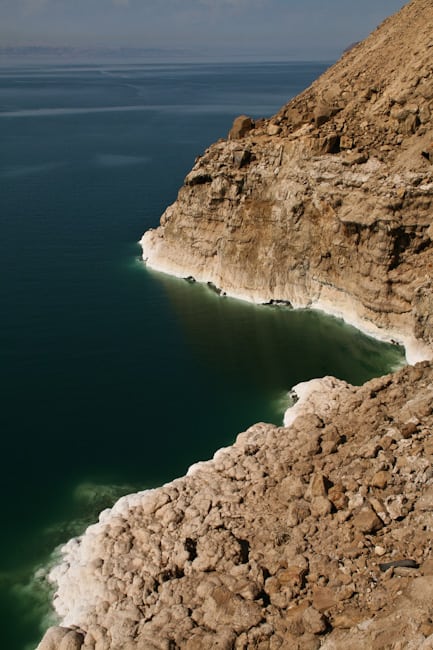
[[61, 638], [241, 126]]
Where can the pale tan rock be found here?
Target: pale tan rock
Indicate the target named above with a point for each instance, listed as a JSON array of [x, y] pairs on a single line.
[[367, 521], [53, 638], [397, 506], [293, 620], [320, 507], [323, 598], [347, 620], [223, 640], [380, 480], [71, 641], [318, 485], [314, 621], [227, 609], [379, 550], [273, 129], [421, 589], [427, 567], [380, 509], [241, 126]]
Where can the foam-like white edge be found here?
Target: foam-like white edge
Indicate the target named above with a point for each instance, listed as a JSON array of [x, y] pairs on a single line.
[[316, 396], [302, 391], [79, 588]]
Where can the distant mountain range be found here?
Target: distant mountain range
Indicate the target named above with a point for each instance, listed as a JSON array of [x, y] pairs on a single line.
[[68, 52]]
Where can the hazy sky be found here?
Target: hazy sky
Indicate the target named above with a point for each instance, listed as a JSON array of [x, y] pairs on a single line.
[[285, 28]]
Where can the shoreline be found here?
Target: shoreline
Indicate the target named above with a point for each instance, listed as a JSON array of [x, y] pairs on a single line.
[[166, 544], [77, 558], [74, 557], [77, 555], [278, 538], [415, 350]]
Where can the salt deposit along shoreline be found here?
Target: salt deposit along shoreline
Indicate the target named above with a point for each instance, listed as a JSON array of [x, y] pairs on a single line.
[[79, 591], [415, 350], [326, 204], [72, 576]]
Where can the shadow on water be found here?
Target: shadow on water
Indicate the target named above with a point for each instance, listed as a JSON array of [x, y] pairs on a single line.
[[271, 348]]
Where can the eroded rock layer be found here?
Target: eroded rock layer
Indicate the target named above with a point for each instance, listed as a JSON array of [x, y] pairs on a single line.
[[329, 202], [283, 540]]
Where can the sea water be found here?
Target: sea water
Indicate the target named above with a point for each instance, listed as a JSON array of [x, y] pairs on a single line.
[[115, 378]]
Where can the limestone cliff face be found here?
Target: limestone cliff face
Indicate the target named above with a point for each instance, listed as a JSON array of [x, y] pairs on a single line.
[[330, 202]]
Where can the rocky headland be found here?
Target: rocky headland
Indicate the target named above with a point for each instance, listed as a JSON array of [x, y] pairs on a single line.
[[317, 533], [329, 202]]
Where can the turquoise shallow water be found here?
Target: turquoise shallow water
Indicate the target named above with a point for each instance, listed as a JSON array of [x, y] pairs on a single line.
[[115, 378]]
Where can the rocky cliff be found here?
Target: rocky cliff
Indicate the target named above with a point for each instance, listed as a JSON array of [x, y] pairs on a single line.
[[317, 533], [329, 202]]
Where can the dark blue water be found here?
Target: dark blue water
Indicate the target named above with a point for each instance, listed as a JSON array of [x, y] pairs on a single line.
[[114, 378]]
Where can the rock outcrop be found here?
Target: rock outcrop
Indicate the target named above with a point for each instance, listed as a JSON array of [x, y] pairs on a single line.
[[328, 203], [317, 533]]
